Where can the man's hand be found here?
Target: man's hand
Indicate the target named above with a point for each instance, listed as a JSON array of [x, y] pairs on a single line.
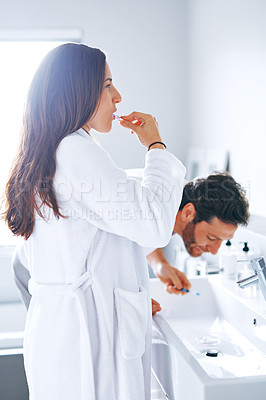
[[172, 277]]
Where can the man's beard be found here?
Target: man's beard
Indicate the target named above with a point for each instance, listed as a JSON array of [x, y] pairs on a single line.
[[189, 237]]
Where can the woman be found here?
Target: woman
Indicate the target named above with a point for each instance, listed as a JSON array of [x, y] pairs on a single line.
[[87, 332]]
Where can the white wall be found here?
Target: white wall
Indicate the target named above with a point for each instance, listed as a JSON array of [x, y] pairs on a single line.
[[197, 65], [227, 73], [146, 46]]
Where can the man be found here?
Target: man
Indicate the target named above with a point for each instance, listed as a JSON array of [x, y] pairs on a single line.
[[211, 209]]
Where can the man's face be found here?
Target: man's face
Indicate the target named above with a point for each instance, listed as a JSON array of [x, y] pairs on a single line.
[[206, 237]]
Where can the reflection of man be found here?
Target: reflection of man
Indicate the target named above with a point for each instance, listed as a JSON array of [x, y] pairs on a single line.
[[210, 212]]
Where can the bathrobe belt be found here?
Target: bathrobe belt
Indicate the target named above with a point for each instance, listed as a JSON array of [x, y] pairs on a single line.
[[75, 290]]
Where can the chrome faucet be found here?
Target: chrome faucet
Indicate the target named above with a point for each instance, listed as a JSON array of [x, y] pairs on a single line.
[[259, 267]]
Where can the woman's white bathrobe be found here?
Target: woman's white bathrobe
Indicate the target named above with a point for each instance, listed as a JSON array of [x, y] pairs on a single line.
[[88, 329]]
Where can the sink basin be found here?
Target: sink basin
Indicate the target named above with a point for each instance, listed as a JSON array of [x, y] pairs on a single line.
[[213, 345]]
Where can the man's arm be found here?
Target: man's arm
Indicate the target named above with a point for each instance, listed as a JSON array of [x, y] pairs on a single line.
[[171, 276]]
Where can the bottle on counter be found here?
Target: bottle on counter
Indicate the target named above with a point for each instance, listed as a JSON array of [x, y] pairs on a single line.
[[244, 268], [228, 260]]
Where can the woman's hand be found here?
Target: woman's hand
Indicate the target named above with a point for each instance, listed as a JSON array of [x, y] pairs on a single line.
[[145, 126], [155, 306]]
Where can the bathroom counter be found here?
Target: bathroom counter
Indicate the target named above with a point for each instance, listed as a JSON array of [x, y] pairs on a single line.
[[251, 296]]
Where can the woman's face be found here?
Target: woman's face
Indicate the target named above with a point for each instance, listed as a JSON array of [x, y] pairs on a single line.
[[103, 118]]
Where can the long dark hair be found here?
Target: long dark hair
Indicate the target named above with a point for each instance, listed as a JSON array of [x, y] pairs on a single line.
[[63, 96]]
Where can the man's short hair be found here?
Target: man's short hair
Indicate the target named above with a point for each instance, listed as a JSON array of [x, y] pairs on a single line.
[[218, 195]]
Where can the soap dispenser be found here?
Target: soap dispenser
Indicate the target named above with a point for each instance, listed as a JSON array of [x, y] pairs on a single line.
[[244, 268], [228, 260]]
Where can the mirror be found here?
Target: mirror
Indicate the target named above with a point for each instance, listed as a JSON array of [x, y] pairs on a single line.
[[227, 88]]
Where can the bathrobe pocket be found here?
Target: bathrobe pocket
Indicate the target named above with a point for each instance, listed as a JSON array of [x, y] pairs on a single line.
[[132, 318]]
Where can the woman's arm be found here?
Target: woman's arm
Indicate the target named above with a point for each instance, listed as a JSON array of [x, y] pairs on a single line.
[[102, 193], [91, 186]]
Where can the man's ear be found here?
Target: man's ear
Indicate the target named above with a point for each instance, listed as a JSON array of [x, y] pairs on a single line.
[[188, 213]]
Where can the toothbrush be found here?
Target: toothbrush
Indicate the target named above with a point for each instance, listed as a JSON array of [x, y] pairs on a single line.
[[139, 123], [117, 117], [189, 291]]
